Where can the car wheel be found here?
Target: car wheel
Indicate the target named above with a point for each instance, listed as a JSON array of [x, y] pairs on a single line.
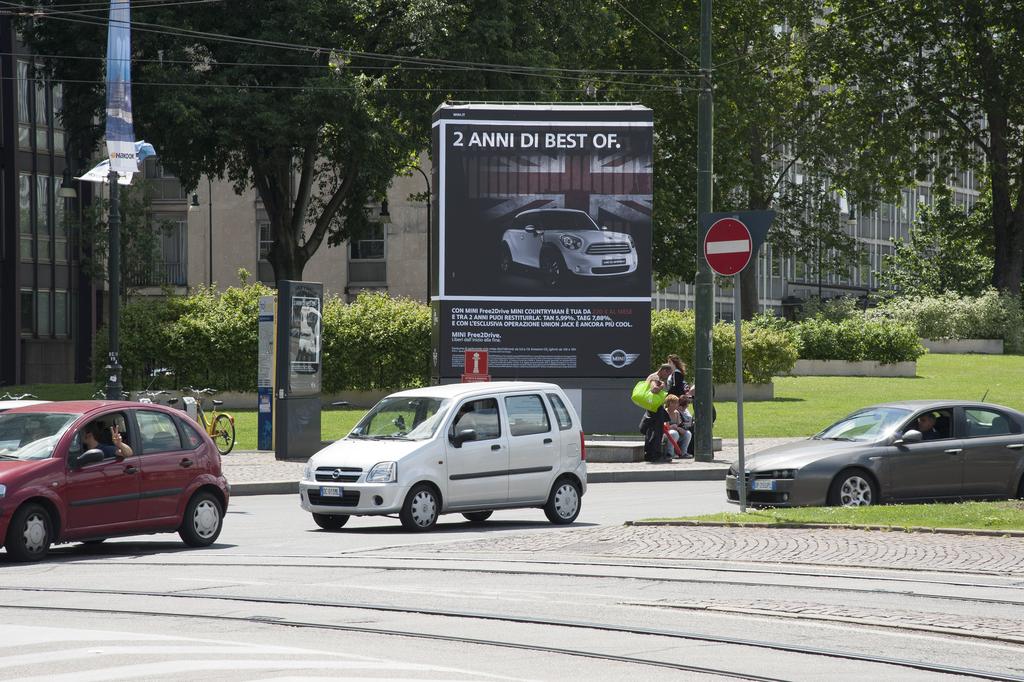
[[563, 505], [853, 488], [30, 533], [330, 521], [421, 508], [552, 268], [203, 520], [478, 517], [505, 263]]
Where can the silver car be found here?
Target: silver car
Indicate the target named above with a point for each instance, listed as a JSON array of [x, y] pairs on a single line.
[[902, 451]]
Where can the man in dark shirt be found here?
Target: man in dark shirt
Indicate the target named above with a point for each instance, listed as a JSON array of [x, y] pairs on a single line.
[[926, 425], [116, 448]]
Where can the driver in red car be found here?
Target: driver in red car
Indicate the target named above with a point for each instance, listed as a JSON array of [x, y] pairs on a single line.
[[92, 434]]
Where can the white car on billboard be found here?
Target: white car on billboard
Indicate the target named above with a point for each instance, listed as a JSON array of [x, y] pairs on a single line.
[[558, 242]]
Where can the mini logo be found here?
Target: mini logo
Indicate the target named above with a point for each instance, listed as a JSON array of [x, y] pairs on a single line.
[[336, 474], [618, 358]]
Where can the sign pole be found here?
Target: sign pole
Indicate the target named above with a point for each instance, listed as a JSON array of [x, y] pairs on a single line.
[[704, 286], [739, 390]]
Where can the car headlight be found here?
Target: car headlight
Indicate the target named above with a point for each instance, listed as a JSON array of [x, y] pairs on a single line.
[[383, 472], [570, 242], [307, 472], [632, 244], [3, 491]]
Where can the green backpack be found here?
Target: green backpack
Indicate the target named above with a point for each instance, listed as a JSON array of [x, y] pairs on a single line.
[[643, 397]]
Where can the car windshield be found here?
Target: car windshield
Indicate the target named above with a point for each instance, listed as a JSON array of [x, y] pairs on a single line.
[[564, 220], [31, 435], [871, 424], [402, 418]]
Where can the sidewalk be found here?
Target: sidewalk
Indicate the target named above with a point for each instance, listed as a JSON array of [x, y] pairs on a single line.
[[253, 472]]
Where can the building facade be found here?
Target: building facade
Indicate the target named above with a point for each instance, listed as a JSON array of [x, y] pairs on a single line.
[[48, 310]]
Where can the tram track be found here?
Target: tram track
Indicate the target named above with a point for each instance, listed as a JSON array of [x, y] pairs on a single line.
[[493, 616], [359, 564]]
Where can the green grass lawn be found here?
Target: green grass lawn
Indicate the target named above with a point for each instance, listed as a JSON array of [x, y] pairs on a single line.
[[334, 424], [805, 405], [802, 406], [1007, 515]]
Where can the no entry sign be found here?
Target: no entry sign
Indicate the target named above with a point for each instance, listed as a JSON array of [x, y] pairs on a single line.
[[728, 246]]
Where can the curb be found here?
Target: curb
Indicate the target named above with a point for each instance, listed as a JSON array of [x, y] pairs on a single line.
[[837, 526], [643, 476]]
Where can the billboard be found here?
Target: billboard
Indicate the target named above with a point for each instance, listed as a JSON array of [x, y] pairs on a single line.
[[300, 331], [542, 249]]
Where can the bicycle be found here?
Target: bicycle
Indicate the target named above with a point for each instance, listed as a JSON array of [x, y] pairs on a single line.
[[149, 395], [221, 425], [23, 396]]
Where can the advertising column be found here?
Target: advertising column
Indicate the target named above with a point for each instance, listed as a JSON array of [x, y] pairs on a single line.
[[543, 242], [298, 353]]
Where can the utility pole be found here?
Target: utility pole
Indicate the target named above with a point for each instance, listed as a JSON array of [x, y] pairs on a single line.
[[704, 294], [113, 368]]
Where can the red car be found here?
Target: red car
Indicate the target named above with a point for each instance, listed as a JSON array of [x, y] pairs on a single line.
[[89, 470]]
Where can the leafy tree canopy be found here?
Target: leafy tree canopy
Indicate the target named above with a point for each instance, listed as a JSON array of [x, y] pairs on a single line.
[[949, 250], [315, 103]]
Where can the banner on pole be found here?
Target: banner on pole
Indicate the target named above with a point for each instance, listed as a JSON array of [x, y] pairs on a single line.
[[120, 132]]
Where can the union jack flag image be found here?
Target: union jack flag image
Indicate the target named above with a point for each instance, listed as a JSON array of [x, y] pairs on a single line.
[[614, 187]]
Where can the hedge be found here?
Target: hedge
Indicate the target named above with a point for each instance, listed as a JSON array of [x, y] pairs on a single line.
[[210, 339], [857, 339], [953, 316], [767, 351]]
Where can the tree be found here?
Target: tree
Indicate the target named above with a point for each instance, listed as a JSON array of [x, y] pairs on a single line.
[[948, 73], [783, 137], [317, 104], [140, 236], [949, 250]]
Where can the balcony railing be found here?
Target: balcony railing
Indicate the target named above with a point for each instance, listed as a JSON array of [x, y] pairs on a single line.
[[163, 273]]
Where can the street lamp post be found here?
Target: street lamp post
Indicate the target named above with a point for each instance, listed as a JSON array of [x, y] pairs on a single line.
[[209, 191], [113, 387]]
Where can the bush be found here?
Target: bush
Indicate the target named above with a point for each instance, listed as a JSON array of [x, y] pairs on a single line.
[[767, 351], [210, 339], [953, 316], [858, 339], [377, 342]]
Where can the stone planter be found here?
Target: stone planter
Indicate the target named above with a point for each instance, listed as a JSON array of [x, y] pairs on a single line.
[[959, 346], [847, 368], [752, 393]]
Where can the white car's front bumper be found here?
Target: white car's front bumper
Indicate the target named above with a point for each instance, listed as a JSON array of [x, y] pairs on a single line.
[[591, 265], [357, 499]]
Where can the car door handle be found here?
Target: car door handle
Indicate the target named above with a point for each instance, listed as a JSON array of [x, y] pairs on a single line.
[[954, 451], [495, 447], [130, 469], [185, 463], [1016, 446], [547, 441]]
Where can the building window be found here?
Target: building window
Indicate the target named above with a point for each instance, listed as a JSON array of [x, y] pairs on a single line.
[[24, 117], [43, 232], [28, 312], [60, 313], [57, 100], [25, 215], [43, 313], [42, 113], [370, 246], [266, 240], [60, 225]]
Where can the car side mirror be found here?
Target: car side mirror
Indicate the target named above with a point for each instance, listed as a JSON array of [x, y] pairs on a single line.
[[461, 437], [94, 456], [910, 436]]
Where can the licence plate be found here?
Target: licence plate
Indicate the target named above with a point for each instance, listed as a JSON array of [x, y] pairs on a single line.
[[762, 484], [613, 261], [330, 491]]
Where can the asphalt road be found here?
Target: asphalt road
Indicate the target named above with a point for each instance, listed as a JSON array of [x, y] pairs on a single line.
[[518, 598]]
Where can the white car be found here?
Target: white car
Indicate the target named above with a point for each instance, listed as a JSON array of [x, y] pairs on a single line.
[[466, 448], [560, 241]]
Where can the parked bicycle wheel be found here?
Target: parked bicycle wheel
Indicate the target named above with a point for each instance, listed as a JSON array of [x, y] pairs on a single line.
[[223, 434]]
